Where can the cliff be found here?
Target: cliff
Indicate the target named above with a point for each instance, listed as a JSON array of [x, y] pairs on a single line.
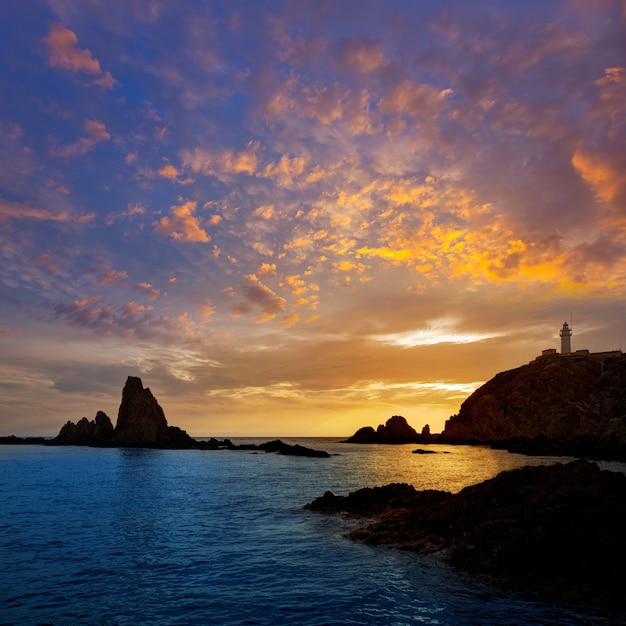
[[560, 398]]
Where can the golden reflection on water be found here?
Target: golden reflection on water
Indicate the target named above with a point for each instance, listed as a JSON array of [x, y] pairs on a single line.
[[448, 468]]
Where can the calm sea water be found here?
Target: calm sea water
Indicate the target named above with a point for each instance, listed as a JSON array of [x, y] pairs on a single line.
[[124, 536]]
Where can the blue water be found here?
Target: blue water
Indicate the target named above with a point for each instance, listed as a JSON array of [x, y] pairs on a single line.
[[124, 536]]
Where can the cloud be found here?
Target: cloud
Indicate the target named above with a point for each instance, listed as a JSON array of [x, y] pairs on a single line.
[[363, 56], [64, 53], [259, 295], [131, 320], [23, 211], [112, 277], [95, 132], [223, 164], [170, 172], [183, 225]]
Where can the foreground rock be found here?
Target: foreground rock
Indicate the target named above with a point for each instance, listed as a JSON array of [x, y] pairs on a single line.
[[554, 532], [396, 430]]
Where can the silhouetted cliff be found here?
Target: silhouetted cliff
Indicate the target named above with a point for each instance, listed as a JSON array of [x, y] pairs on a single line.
[[560, 398]]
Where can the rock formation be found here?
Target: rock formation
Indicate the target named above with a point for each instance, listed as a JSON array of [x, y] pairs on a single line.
[[555, 532], [140, 418], [396, 430], [85, 432], [559, 398], [141, 423]]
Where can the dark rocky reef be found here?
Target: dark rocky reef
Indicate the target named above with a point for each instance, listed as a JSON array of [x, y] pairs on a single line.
[[282, 448], [560, 405], [553, 532], [396, 430]]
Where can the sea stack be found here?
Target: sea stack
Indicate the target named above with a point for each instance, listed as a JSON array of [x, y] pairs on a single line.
[[140, 419]]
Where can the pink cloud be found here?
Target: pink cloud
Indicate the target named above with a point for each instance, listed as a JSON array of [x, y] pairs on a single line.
[[65, 54], [95, 132], [112, 277], [23, 211], [364, 57], [148, 289], [130, 320]]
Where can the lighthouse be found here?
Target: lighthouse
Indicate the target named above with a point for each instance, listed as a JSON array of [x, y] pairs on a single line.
[[566, 339]]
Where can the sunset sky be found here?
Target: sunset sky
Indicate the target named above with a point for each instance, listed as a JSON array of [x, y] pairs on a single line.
[[302, 217]]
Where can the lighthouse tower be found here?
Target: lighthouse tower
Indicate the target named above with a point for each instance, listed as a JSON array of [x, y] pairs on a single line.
[[566, 339]]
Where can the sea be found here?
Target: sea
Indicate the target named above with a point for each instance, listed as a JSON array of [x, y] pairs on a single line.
[[173, 537]]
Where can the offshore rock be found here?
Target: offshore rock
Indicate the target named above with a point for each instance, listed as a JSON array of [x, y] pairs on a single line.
[[140, 418], [85, 432], [396, 430], [555, 399], [282, 448], [554, 532]]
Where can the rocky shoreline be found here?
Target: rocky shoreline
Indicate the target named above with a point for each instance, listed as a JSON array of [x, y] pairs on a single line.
[[555, 533]]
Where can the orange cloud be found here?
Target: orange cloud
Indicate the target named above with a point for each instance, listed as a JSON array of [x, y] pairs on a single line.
[[172, 173], [182, 225], [207, 311], [65, 54], [605, 179]]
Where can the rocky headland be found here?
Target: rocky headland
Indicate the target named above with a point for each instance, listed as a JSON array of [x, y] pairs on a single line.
[[557, 405], [141, 423], [553, 532], [570, 405]]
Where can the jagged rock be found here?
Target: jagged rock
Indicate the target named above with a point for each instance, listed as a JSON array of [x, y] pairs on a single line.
[[85, 432], [555, 532], [140, 419], [396, 430], [561, 398]]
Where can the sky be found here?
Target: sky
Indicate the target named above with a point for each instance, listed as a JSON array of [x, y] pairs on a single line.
[[296, 218]]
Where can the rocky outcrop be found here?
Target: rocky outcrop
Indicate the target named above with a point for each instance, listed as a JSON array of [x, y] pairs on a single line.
[[555, 532], [396, 430], [559, 398], [85, 432], [140, 418]]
